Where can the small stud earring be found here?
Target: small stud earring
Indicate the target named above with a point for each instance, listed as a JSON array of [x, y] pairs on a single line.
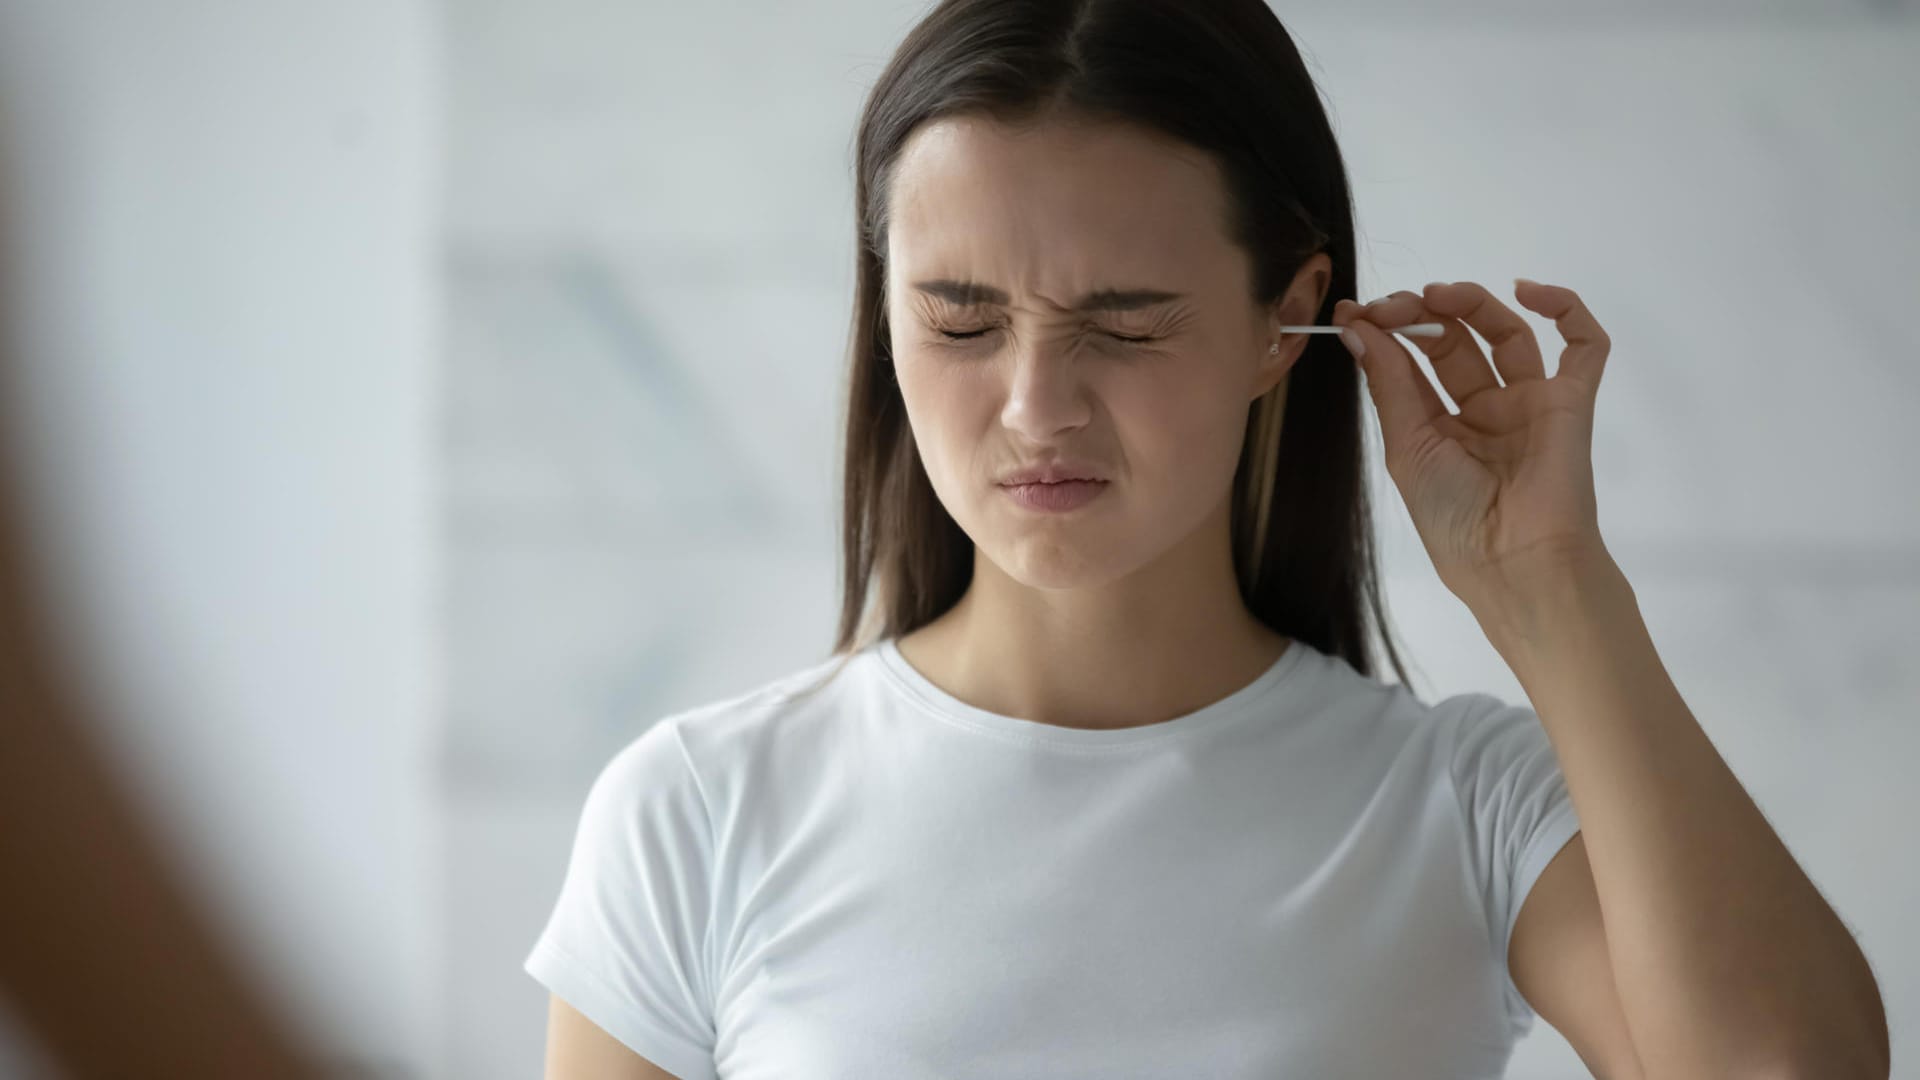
[[1273, 348]]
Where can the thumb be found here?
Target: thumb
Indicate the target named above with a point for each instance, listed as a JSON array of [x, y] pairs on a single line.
[[1400, 390]]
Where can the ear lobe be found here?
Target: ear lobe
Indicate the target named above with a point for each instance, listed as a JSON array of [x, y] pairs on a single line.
[[1274, 367]]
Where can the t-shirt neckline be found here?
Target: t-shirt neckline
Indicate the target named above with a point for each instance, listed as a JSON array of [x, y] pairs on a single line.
[[945, 706]]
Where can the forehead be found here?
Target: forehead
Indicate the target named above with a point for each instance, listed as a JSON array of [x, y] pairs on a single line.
[[1061, 208]]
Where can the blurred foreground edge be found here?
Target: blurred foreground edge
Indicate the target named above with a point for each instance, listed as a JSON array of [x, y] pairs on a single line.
[[104, 959]]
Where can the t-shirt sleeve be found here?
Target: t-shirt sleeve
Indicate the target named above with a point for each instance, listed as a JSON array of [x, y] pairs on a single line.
[[626, 944], [1518, 813]]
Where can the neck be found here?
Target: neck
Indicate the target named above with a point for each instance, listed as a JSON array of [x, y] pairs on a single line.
[[1160, 643]]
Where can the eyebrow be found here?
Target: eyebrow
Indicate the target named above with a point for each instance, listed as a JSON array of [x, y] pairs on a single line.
[[972, 293]]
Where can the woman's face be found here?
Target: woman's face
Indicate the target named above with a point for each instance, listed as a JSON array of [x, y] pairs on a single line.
[[1039, 221]]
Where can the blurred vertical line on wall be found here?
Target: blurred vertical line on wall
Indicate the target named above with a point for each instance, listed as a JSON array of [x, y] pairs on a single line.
[[103, 954], [222, 390]]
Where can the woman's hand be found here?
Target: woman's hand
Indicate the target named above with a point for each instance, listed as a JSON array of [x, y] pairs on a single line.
[[1501, 493]]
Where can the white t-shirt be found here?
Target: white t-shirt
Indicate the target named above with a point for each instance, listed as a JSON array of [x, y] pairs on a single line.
[[1315, 876]]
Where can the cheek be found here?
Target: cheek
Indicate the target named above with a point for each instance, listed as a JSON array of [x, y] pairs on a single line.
[[945, 414], [1182, 443]]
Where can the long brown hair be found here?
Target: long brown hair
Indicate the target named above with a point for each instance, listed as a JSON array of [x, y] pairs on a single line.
[[1224, 77]]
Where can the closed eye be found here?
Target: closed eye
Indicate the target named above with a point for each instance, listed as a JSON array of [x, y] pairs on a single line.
[[972, 334]]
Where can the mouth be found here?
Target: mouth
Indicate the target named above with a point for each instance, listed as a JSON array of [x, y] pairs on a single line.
[[1052, 474], [1058, 495]]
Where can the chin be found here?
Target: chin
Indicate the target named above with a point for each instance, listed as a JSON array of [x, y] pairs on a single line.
[[1052, 563]]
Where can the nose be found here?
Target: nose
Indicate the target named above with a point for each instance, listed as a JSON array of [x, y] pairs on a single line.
[[1046, 391]]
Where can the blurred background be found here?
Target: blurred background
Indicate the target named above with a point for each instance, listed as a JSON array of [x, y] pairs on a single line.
[[423, 398]]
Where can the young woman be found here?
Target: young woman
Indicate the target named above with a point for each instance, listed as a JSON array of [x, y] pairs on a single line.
[[1100, 781]]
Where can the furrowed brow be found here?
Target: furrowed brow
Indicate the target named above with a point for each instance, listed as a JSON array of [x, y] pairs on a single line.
[[975, 294]]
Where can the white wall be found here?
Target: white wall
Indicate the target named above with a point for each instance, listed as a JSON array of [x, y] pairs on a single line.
[[228, 213], [650, 213]]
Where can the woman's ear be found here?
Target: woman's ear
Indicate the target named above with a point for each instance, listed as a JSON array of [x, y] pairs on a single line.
[[1308, 290], [1273, 366], [1298, 306]]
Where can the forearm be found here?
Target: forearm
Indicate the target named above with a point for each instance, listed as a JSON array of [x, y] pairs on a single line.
[[1724, 953]]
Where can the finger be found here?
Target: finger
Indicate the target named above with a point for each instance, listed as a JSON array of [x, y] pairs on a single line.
[[1457, 360], [1401, 394], [1516, 352], [1585, 357], [1430, 402]]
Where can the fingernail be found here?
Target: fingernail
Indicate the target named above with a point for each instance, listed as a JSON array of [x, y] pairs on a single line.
[[1354, 345]]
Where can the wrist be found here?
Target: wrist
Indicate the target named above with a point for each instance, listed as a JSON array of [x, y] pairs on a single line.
[[1553, 611]]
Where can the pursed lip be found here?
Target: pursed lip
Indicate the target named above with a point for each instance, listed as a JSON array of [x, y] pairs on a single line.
[[1053, 473]]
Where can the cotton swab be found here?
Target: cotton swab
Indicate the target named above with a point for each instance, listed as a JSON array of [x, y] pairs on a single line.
[[1419, 329]]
